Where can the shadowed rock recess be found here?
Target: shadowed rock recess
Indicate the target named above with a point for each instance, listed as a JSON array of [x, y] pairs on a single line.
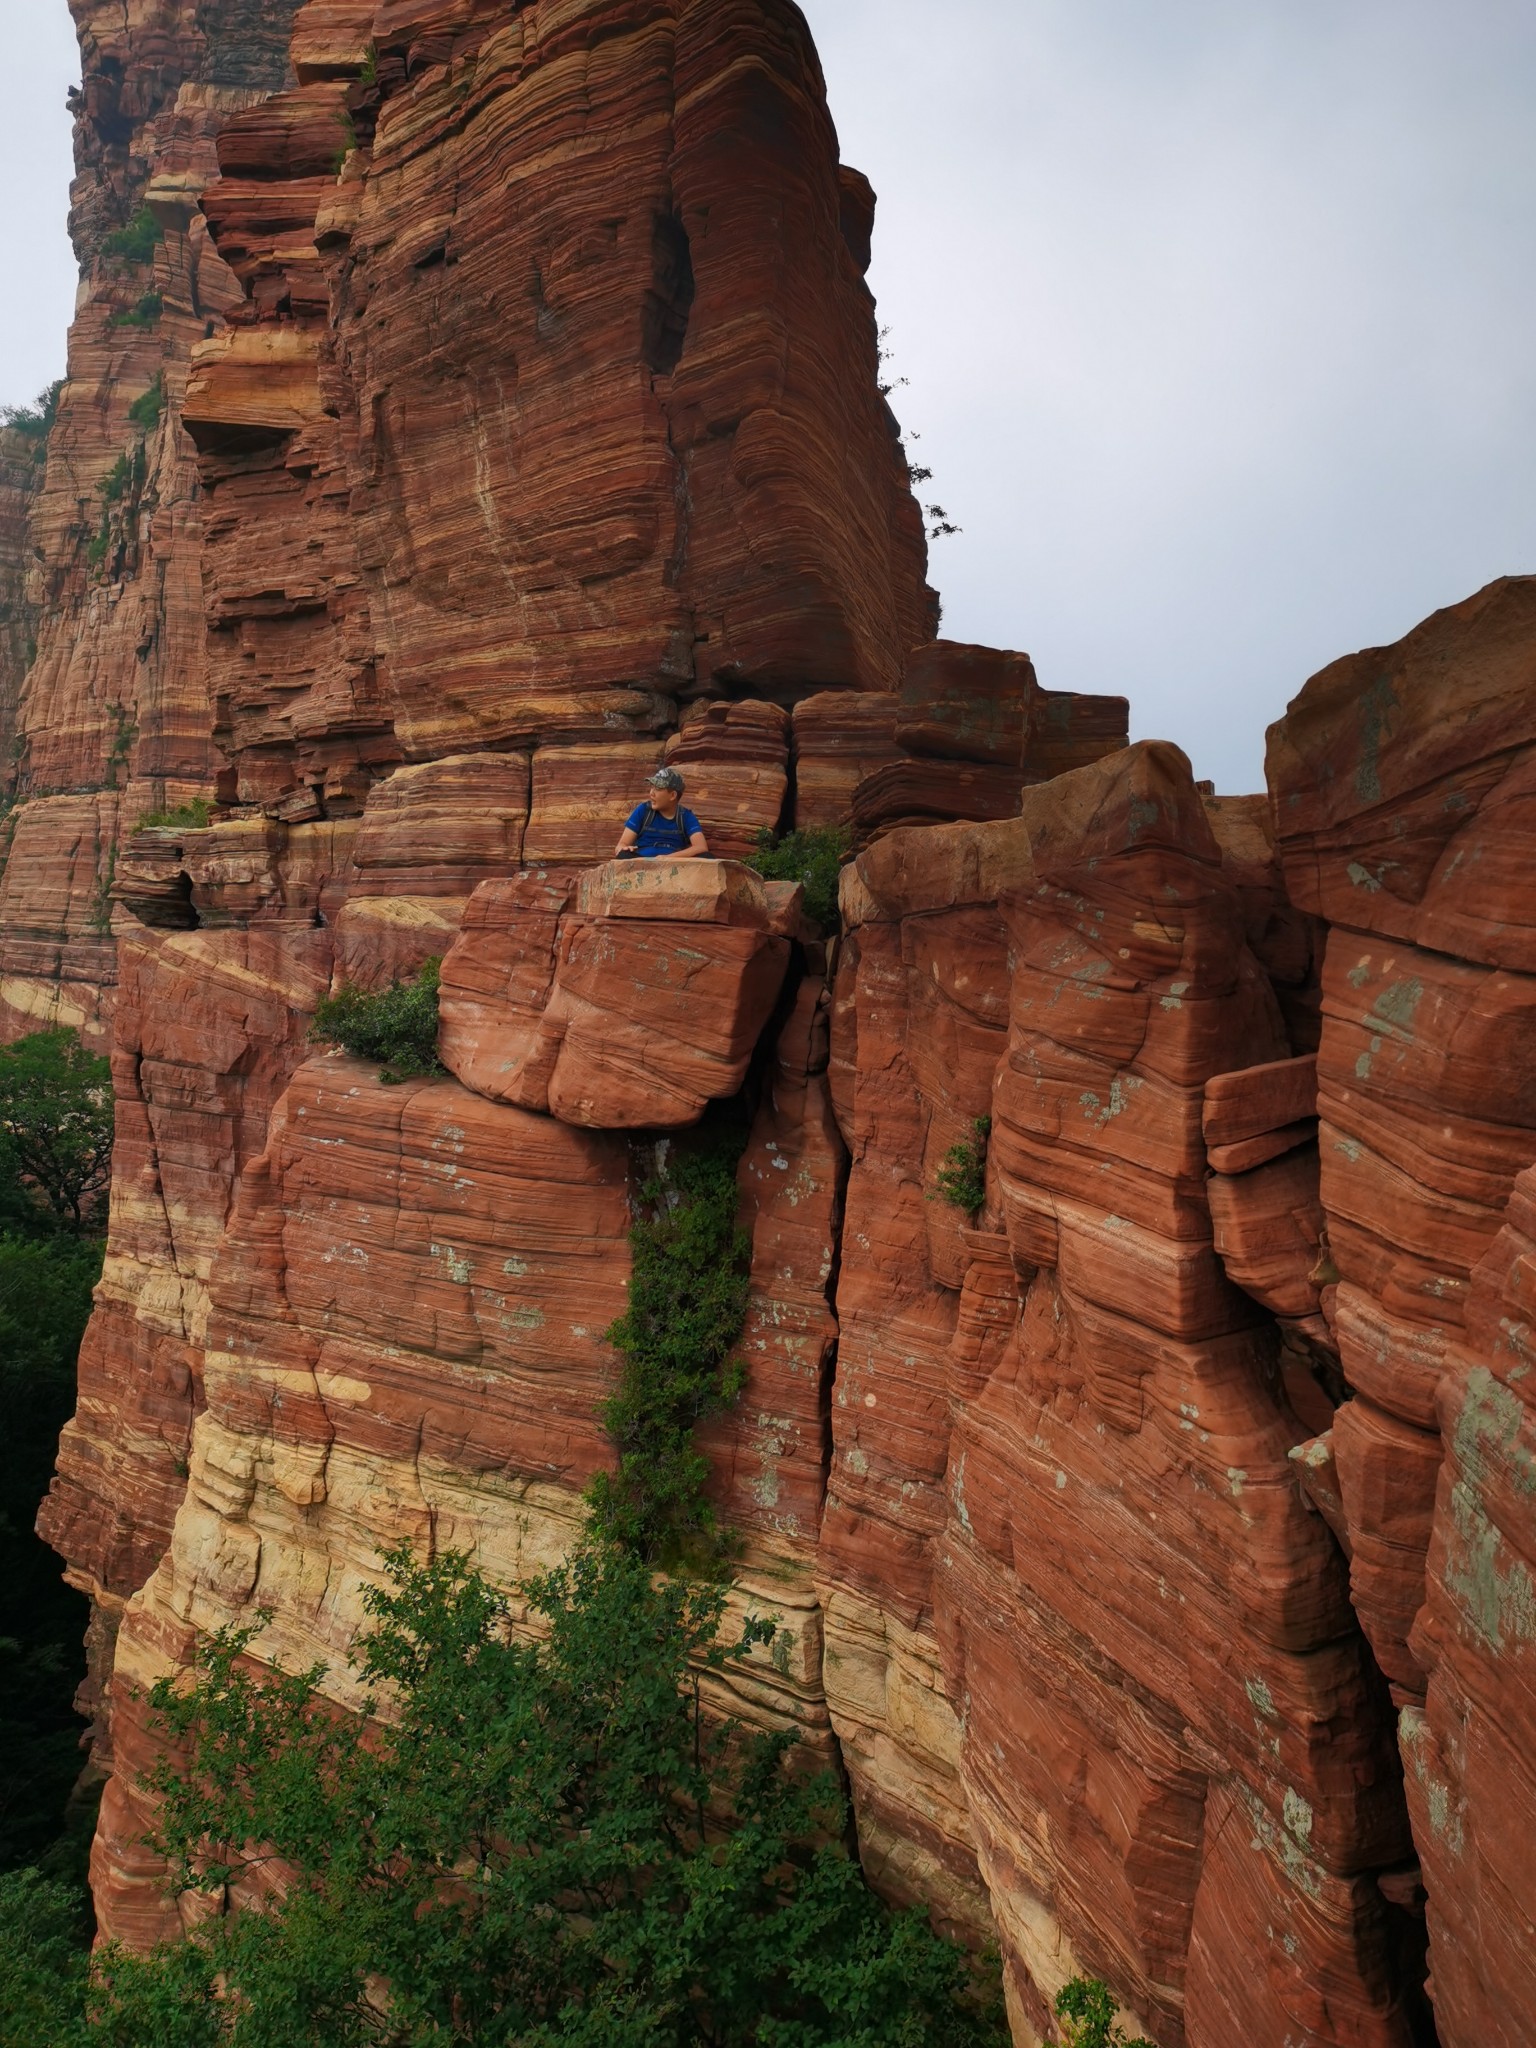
[[471, 405]]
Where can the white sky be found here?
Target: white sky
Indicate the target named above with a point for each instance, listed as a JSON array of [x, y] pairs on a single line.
[[1219, 317]]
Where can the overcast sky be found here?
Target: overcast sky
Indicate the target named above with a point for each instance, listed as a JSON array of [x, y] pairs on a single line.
[[1218, 316]]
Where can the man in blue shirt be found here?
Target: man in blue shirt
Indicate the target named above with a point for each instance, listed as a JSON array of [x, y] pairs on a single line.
[[663, 828]]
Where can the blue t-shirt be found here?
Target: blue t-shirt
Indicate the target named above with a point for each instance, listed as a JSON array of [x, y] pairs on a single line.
[[661, 835]]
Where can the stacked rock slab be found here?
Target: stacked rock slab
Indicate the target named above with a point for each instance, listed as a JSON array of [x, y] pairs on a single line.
[[1402, 781], [113, 716], [1089, 1657]]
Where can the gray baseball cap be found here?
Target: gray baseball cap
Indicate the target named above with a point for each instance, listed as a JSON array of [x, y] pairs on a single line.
[[667, 778]]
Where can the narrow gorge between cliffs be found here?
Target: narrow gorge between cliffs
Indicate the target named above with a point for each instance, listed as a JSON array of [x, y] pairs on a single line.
[[470, 407]]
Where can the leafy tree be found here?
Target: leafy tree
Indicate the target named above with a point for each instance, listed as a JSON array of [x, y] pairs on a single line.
[[35, 420], [1086, 2008], [45, 1302], [395, 1025], [688, 1291], [815, 858], [43, 1960], [56, 1123], [542, 1842], [962, 1178]]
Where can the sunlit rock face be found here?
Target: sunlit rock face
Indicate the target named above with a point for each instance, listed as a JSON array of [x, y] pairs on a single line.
[[1153, 1541]]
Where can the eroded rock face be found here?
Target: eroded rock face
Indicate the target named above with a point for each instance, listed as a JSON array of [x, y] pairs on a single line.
[[1412, 847], [116, 695], [1139, 1532], [1060, 1442], [678, 250], [626, 1000]]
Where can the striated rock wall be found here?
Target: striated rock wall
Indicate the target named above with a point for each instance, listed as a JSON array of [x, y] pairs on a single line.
[[1154, 1541], [113, 712]]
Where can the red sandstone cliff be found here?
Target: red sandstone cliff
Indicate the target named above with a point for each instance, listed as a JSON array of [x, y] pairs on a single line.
[[1155, 1543]]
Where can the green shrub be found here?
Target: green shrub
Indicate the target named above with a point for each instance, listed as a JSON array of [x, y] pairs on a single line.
[[115, 484], [191, 816], [101, 541], [396, 1026], [687, 1303], [962, 1179], [144, 314], [815, 858], [1086, 2008], [137, 242], [544, 1841], [146, 409], [34, 420]]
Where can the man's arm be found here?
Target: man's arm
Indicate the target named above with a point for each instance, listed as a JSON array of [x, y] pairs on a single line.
[[627, 838]]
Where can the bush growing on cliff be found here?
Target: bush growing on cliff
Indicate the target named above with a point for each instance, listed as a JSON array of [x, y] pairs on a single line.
[[146, 409], [143, 313], [35, 420], [815, 858], [543, 1842], [396, 1025], [137, 242], [191, 816], [1086, 2008], [687, 1303], [114, 486], [962, 1179]]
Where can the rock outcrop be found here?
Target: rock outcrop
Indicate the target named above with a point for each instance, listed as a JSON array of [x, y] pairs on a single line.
[[469, 408]]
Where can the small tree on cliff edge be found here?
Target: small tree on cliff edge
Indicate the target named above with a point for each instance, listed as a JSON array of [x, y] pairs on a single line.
[[56, 1124], [542, 1842]]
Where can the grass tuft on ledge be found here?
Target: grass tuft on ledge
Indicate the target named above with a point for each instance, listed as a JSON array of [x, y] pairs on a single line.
[[397, 1026]]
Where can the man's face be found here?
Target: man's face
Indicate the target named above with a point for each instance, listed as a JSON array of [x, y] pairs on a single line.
[[664, 800]]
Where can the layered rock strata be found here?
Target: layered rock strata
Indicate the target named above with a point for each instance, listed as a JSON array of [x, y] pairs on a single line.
[[1089, 1657], [1401, 778], [113, 714], [1153, 1541]]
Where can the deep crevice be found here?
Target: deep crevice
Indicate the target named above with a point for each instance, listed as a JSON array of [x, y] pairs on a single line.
[[669, 302]]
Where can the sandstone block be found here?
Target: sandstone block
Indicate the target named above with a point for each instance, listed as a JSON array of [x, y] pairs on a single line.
[[581, 797], [442, 828], [628, 1006], [735, 761], [967, 704], [839, 737]]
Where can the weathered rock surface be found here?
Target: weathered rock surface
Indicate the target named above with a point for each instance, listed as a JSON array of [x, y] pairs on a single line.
[[737, 510], [21, 467], [116, 694], [627, 1000], [1411, 845], [517, 428], [1060, 1443]]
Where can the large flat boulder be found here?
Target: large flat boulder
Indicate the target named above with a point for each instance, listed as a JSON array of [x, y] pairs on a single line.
[[627, 998]]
